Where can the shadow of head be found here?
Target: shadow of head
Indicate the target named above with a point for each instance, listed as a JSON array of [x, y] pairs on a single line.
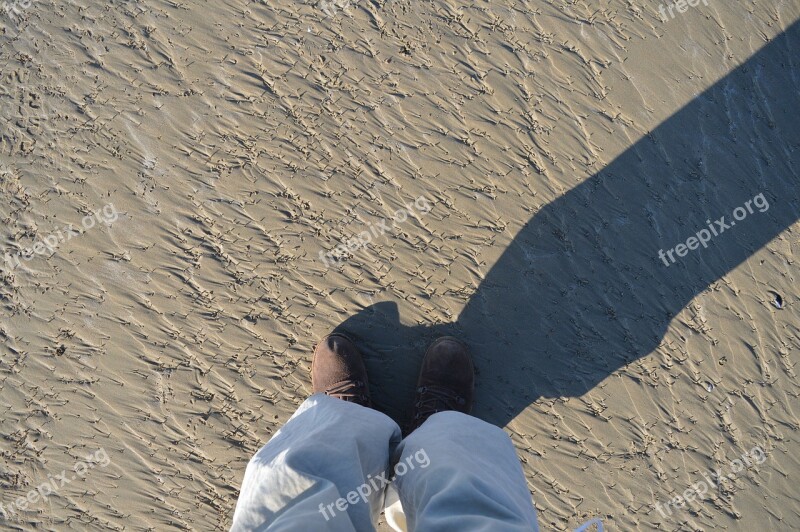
[[593, 280]]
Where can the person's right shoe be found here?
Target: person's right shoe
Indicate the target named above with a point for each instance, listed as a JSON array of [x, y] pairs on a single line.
[[446, 381]]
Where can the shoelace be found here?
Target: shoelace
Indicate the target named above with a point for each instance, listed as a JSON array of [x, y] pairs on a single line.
[[433, 399], [349, 390]]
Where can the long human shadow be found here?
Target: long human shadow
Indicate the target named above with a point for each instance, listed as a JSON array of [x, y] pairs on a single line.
[[581, 290]]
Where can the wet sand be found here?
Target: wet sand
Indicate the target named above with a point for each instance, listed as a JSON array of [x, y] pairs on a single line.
[[239, 144]]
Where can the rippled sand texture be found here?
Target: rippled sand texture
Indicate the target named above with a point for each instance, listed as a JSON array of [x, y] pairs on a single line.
[[237, 140]]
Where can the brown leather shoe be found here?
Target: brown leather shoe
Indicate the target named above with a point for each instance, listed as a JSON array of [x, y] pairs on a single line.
[[446, 381], [338, 370]]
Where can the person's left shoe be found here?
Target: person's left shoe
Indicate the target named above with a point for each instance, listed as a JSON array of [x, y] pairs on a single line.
[[338, 370]]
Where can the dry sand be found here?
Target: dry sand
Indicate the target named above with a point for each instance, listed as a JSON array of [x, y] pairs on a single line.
[[560, 144]]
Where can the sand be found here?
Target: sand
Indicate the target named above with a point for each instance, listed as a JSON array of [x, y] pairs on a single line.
[[517, 168]]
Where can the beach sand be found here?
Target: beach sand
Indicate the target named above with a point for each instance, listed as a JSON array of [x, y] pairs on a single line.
[[480, 144]]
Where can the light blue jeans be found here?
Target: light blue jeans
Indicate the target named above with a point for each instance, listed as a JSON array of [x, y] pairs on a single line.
[[328, 469]]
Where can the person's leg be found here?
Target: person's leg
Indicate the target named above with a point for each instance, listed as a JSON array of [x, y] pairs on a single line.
[[454, 471], [473, 480], [326, 469]]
